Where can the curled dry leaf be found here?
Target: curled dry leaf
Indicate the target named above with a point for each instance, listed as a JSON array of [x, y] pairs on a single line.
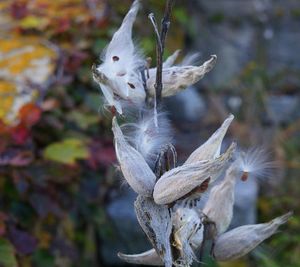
[[179, 182]]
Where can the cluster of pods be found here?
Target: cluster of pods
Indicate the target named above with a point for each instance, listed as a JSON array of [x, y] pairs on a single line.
[[168, 205]]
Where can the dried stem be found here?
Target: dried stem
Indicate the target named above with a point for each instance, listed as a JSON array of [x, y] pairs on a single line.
[[160, 46]]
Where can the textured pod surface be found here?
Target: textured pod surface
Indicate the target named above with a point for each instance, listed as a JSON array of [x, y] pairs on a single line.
[[240, 241], [180, 181], [219, 206], [149, 257], [211, 148], [134, 167], [170, 61], [119, 75], [155, 221], [186, 225], [177, 78]]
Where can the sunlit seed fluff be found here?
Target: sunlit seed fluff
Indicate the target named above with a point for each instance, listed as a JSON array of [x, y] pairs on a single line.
[[240, 241], [149, 257], [148, 139], [133, 166], [119, 74], [177, 78], [211, 148], [179, 182], [219, 206], [255, 162]]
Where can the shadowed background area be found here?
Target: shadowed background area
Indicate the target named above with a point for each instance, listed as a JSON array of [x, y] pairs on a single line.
[[62, 202]]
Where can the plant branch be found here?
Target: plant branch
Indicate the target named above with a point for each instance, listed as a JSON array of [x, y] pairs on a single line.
[[160, 46]]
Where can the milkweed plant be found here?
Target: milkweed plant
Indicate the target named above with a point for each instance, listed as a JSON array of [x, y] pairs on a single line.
[[170, 206]]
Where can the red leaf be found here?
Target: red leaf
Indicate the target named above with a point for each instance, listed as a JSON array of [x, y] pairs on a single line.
[[29, 114], [102, 155], [18, 9], [20, 134]]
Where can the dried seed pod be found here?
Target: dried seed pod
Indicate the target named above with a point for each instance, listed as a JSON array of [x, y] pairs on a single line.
[[177, 78], [186, 225], [211, 148], [155, 221], [240, 241], [179, 182], [149, 257], [169, 62], [134, 167], [119, 74], [219, 206]]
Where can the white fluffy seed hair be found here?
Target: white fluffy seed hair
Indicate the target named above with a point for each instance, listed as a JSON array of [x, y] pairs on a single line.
[[148, 139], [257, 162]]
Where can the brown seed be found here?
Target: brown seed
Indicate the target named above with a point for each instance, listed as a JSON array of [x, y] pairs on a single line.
[[131, 85], [244, 176], [115, 58]]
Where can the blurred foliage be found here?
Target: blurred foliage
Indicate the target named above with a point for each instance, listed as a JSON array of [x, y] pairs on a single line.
[[56, 151]]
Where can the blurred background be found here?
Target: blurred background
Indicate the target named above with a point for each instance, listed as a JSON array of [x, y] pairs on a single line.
[[62, 202]]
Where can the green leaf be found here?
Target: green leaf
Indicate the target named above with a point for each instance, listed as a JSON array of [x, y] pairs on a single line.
[[7, 254], [83, 120], [67, 151]]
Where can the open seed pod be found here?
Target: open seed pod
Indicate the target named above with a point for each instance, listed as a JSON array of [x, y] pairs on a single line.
[[155, 221], [179, 182], [177, 78]]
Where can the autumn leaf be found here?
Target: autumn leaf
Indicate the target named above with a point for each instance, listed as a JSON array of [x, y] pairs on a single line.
[[7, 254], [29, 114], [67, 151]]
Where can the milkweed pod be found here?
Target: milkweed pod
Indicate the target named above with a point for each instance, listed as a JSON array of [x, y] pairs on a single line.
[[177, 78], [240, 241], [121, 66], [187, 228], [149, 257], [133, 166], [211, 148], [179, 182], [219, 206], [156, 223], [169, 62]]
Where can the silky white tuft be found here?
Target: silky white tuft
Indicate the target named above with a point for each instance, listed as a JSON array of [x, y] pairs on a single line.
[[119, 74], [256, 162], [148, 139]]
